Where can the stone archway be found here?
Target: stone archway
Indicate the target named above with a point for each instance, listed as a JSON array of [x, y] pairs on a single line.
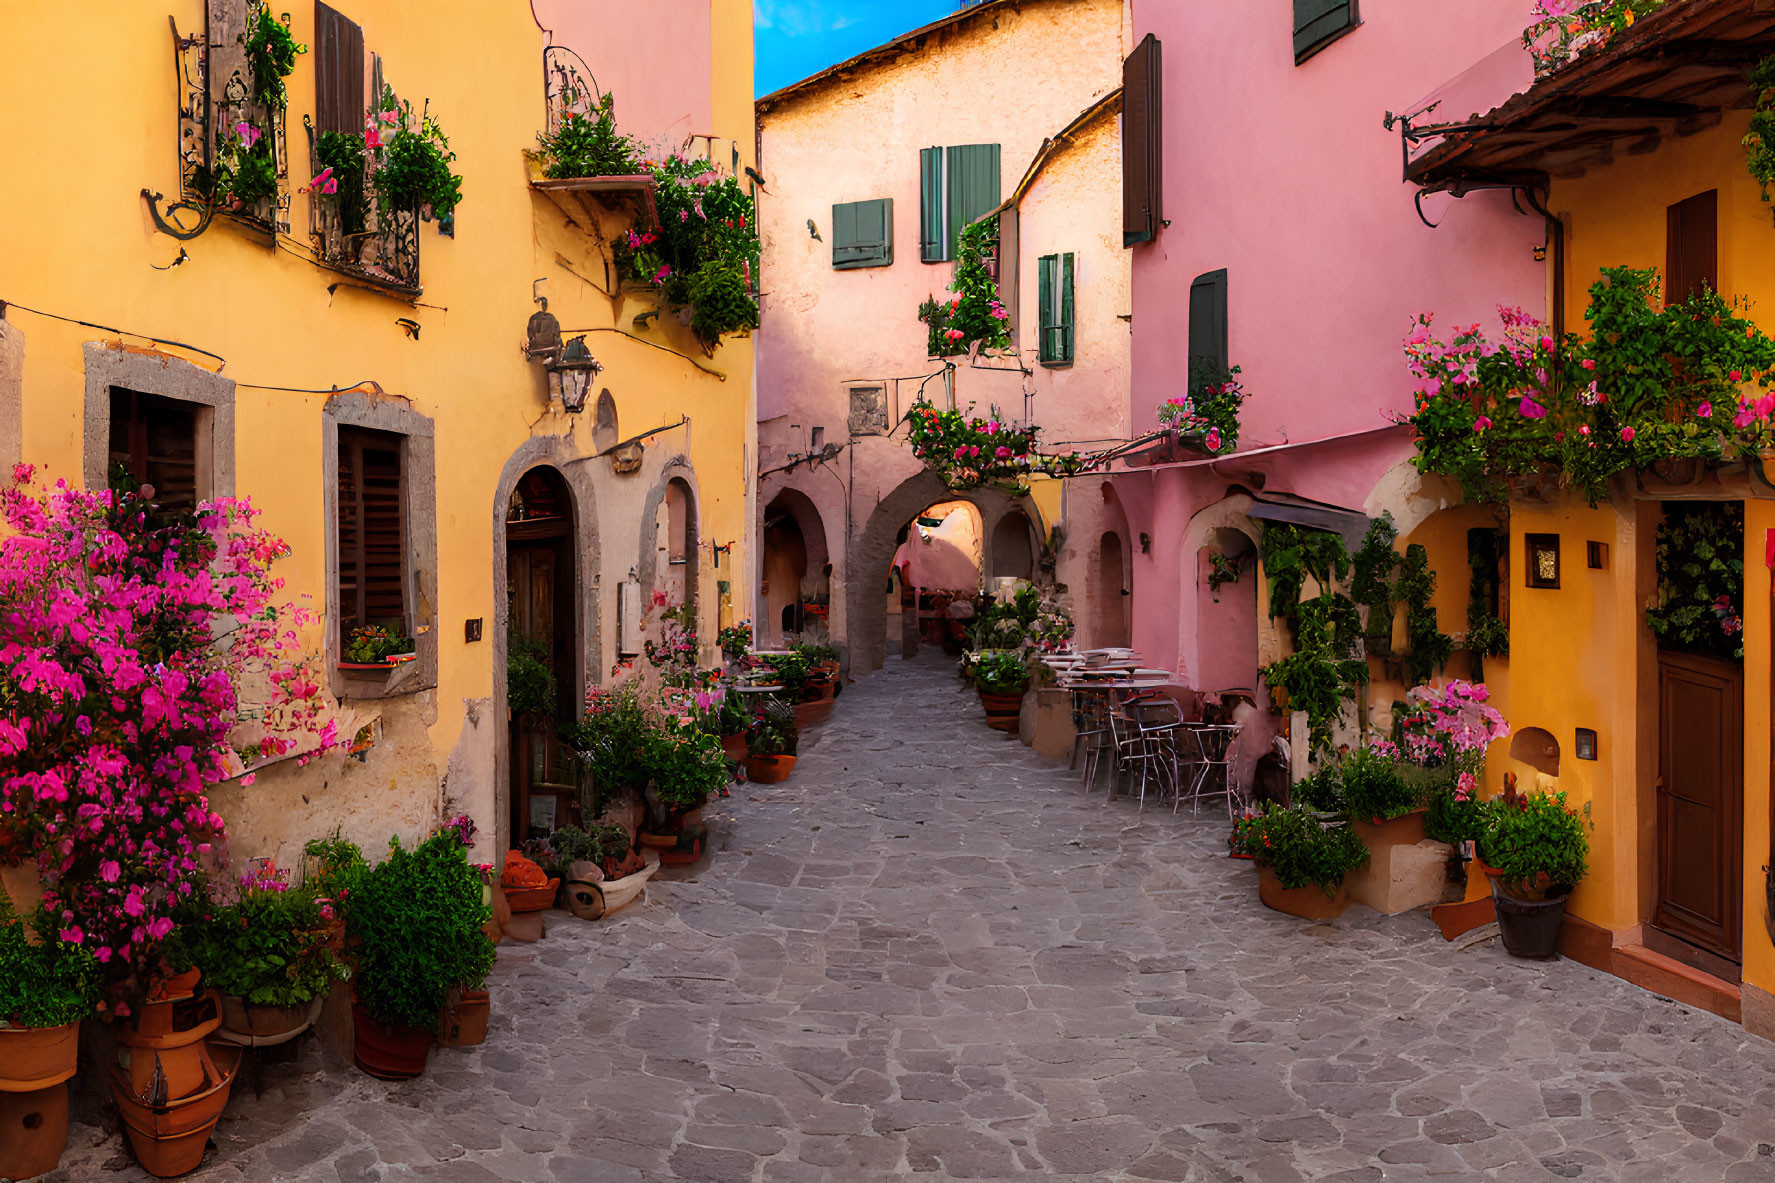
[[797, 561], [675, 496], [872, 553]]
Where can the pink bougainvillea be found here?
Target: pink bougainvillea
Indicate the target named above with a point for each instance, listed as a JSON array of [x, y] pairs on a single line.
[[125, 633]]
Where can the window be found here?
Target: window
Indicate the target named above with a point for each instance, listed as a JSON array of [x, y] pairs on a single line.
[[372, 531], [1691, 253], [1207, 323], [863, 234], [1317, 23], [338, 72], [956, 186], [1543, 560], [1142, 149], [154, 442], [1054, 293]]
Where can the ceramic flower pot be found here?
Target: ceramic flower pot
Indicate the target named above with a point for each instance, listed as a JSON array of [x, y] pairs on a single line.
[[33, 1058], [1530, 928], [171, 989], [390, 1053], [466, 1015], [769, 770], [169, 1135], [263, 1025], [809, 714], [33, 1131], [1002, 710], [162, 1054], [734, 746], [1309, 902]]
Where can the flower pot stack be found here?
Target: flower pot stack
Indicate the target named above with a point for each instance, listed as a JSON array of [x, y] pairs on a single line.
[[35, 1065], [170, 1083], [528, 891], [820, 693]]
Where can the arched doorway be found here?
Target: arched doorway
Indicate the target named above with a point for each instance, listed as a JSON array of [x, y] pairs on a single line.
[[1014, 548], [795, 596], [937, 565], [675, 543], [1113, 616], [542, 650], [1226, 599]]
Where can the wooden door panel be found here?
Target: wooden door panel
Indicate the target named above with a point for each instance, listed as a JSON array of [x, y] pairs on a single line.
[[1700, 801]]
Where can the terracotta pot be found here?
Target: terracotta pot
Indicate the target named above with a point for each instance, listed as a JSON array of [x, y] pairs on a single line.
[[525, 927], [33, 1131], [810, 714], [1309, 902], [502, 913], [33, 1058], [466, 1016], [1405, 830], [734, 746], [769, 770], [656, 841], [532, 899], [169, 1136], [1002, 710], [171, 989], [689, 847], [391, 1053], [162, 1055], [244, 1018]]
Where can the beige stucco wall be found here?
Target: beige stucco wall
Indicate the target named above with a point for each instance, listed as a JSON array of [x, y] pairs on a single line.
[[857, 138]]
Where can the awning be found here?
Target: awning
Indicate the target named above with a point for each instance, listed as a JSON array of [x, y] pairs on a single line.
[[1316, 515]]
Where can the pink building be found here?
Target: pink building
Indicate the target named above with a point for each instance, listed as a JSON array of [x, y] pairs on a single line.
[[1269, 229]]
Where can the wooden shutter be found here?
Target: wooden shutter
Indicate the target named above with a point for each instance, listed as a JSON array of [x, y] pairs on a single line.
[[338, 72], [863, 234], [932, 245], [1142, 154], [1207, 320], [973, 186], [1054, 292], [1009, 269], [1318, 22], [1691, 247], [372, 529], [1045, 268], [154, 440], [1066, 307]]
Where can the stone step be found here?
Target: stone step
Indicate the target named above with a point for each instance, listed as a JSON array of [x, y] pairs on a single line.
[[1653, 971]]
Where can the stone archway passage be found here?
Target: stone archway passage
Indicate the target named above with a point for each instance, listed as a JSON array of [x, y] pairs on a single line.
[[795, 595]]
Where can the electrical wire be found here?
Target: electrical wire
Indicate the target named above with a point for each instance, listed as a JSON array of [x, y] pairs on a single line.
[[87, 324]]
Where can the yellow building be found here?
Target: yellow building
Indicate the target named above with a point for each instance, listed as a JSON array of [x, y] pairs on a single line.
[[1635, 148], [371, 380]]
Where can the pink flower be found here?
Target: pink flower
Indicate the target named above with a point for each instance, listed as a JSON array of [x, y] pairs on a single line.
[[955, 334], [1736, 376], [973, 450], [73, 936], [324, 182], [373, 138], [961, 452], [389, 117], [1003, 452], [109, 870], [1213, 439], [248, 779], [249, 135], [665, 269], [684, 215], [1704, 411], [1627, 435], [22, 473], [1481, 424], [1546, 342], [1588, 363], [1532, 409]]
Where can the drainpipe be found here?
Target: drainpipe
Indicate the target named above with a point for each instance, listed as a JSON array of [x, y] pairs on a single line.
[[1555, 247]]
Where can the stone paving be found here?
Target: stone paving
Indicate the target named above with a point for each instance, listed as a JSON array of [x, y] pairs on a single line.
[[929, 954]]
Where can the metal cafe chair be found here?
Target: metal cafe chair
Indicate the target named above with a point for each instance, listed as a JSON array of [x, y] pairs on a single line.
[[1213, 756], [1144, 728], [1093, 740]]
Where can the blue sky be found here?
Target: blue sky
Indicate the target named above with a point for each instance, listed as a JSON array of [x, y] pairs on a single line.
[[795, 38]]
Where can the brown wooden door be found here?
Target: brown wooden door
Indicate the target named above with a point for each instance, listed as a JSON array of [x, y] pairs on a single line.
[[539, 583], [1700, 801]]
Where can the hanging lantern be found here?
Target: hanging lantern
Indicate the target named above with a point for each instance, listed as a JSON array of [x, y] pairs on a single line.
[[573, 375]]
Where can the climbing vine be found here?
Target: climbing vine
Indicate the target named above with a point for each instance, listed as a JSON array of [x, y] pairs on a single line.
[[1326, 667], [1371, 583], [1222, 570], [1290, 554], [1701, 579], [1759, 141], [1429, 647], [974, 314]]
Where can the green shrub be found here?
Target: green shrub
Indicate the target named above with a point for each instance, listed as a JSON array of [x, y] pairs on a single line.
[[529, 680], [50, 984], [1527, 837], [271, 947], [1452, 820], [592, 147], [1322, 791], [773, 731], [1375, 789], [1001, 671], [1301, 849], [415, 922]]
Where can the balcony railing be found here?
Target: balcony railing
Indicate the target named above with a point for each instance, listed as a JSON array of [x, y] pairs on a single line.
[[356, 234]]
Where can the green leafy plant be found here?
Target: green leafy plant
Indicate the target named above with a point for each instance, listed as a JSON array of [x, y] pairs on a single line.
[[414, 169], [1429, 648], [1486, 634], [1301, 849], [1209, 412], [48, 984], [974, 314], [1700, 557], [790, 670], [815, 654], [1759, 140], [570, 845], [271, 57], [609, 739], [415, 923], [1371, 580], [1321, 673], [1001, 671], [529, 679], [1561, 30], [1374, 788], [1222, 570], [704, 248], [1290, 554], [271, 947], [371, 643], [735, 640], [591, 147], [332, 866], [773, 731], [1534, 842], [1453, 818], [1321, 791], [685, 765], [341, 157]]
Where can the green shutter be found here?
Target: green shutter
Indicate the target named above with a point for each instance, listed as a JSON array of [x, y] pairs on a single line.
[[1066, 307], [1044, 303], [932, 242], [863, 234], [1317, 22], [1207, 322], [973, 187]]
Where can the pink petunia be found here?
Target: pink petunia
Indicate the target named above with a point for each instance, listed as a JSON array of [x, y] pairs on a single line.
[[1627, 435], [1213, 439], [1704, 411], [249, 135], [1532, 409], [1482, 424]]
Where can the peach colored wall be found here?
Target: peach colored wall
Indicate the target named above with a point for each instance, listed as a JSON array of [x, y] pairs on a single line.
[[659, 99], [1295, 189]]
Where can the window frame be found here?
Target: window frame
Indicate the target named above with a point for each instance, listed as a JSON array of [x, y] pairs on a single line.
[[882, 258], [354, 409], [1056, 310], [164, 376], [1350, 25]]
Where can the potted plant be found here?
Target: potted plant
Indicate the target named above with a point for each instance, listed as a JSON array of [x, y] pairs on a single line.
[[529, 678], [46, 988], [1001, 677], [273, 953], [733, 718], [609, 741], [372, 647], [416, 926], [1536, 850], [1383, 804], [1302, 860], [770, 745], [686, 766], [735, 640]]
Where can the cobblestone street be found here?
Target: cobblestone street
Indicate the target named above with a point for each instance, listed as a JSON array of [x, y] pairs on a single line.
[[929, 953]]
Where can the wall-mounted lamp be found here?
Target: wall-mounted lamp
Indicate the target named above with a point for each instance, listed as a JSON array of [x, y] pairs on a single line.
[[1584, 747], [570, 367]]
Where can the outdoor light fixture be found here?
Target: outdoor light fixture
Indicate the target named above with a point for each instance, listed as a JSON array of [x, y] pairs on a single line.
[[1543, 560], [1585, 747], [570, 367]]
